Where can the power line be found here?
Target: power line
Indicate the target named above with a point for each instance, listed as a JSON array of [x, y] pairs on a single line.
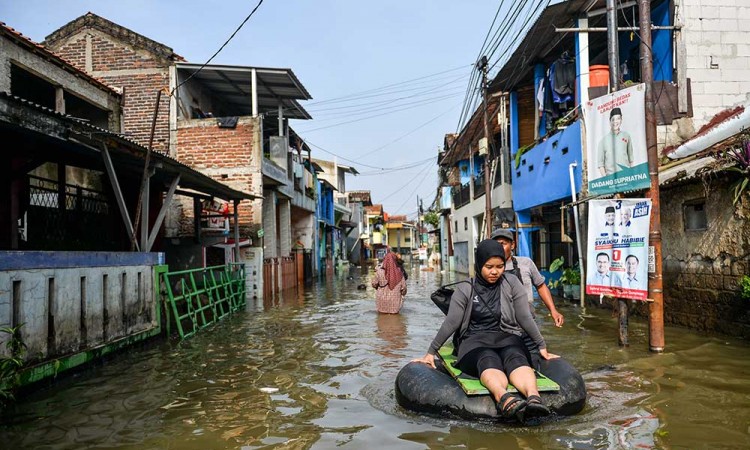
[[429, 85], [412, 192], [219, 50], [351, 160], [364, 111], [401, 188], [379, 115], [386, 86], [410, 132]]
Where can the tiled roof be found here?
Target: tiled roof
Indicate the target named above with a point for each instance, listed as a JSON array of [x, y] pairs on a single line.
[[53, 57]]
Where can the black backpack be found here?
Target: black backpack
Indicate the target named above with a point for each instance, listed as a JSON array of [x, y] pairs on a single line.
[[442, 299]]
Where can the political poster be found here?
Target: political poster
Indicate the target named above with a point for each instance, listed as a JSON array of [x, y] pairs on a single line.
[[616, 142], [618, 248]]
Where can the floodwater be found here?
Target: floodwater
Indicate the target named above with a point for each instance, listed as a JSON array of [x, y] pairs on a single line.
[[317, 371]]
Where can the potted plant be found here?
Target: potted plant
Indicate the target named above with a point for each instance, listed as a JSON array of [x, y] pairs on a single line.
[[570, 280]]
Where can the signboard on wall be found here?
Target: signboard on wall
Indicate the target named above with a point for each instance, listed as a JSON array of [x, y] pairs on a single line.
[[616, 142], [618, 248]]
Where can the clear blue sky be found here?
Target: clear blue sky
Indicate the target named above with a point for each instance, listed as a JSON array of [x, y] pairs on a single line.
[[336, 49]]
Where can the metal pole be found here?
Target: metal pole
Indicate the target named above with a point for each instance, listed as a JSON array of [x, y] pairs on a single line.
[[487, 157], [656, 307], [613, 51], [578, 231], [236, 231]]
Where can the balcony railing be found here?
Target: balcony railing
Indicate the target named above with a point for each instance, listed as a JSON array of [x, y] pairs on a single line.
[[461, 195], [479, 186]]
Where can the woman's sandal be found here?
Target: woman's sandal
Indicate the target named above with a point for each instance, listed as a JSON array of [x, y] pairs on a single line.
[[535, 408], [511, 405]]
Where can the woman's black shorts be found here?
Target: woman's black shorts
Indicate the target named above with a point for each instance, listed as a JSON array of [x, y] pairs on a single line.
[[509, 357]]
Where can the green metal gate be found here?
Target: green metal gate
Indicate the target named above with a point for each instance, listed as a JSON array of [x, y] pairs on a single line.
[[200, 297]]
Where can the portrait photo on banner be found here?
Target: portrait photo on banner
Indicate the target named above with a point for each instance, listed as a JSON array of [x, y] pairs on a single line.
[[616, 142], [617, 251]]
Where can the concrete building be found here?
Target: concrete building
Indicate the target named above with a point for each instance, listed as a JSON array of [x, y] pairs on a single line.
[[229, 122], [357, 239], [82, 241], [700, 88]]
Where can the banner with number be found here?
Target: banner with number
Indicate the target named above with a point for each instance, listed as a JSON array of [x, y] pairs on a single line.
[[616, 154], [618, 248]]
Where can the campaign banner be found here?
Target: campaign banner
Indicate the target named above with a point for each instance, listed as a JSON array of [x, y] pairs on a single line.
[[616, 153], [618, 248]]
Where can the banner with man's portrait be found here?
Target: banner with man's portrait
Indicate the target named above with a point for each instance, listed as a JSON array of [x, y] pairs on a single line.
[[618, 248], [616, 142]]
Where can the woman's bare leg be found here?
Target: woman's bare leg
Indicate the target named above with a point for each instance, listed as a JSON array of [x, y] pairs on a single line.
[[524, 379], [495, 381]]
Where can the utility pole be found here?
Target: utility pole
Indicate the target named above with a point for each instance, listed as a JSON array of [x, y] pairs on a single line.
[[656, 293], [613, 50], [487, 181], [613, 56]]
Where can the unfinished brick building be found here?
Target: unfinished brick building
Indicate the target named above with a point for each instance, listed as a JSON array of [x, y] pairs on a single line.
[[211, 118]]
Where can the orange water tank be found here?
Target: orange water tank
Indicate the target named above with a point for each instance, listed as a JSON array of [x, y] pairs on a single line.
[[598, 76]]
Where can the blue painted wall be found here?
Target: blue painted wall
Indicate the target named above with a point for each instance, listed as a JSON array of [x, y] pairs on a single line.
[[325, 204], [661, 44], [543, 175], [21, 260]]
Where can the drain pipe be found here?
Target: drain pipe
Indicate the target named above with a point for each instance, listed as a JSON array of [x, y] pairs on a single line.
[[578, 230]]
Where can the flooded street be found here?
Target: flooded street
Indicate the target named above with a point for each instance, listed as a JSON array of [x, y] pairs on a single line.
[[317, 371]]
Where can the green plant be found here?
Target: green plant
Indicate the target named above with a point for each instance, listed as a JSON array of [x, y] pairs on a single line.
[[521, 151], [570, 275], [11, 365], [745, 284], [740, 156], [432, 218]]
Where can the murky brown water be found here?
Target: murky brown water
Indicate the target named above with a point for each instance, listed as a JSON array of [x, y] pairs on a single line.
[[333, 362]]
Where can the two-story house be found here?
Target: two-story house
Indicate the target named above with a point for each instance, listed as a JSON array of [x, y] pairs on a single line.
[[229, 122], [700, 62]]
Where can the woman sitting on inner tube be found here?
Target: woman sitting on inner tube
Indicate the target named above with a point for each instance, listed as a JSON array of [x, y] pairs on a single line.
[[490, 329]]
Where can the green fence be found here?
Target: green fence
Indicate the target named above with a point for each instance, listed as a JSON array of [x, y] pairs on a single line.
[[200, 297]]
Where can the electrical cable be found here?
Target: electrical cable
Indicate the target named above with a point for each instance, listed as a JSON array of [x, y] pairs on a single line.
[[409, 133], [351, 160], [401, 188], [412, 192], [378, 115], [219, 50]]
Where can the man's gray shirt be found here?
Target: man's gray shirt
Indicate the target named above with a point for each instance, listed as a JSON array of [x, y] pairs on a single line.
[[530, 275]]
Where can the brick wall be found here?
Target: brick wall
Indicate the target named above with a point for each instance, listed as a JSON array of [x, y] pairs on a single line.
[[139, 73], [718, 55], [226, 155]]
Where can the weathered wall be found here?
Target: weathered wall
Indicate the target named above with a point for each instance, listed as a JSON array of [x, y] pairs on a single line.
[[718, 54], [702, 269], [71, 301], [56, 75], [229, 155], [140, 73]]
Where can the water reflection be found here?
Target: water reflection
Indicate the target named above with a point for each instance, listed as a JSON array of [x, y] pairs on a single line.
[[391, 329], [315, 369]]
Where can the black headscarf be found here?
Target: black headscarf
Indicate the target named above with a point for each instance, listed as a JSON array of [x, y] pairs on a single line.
[[486, 249], [489, 292]]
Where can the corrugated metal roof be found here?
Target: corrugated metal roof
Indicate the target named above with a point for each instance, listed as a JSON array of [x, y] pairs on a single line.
[[127, 154], [234, 83]]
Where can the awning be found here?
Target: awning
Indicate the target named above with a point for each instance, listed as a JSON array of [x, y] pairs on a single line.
[[37, 132]]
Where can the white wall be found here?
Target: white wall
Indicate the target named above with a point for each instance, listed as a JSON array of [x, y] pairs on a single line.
[[717, 32]]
